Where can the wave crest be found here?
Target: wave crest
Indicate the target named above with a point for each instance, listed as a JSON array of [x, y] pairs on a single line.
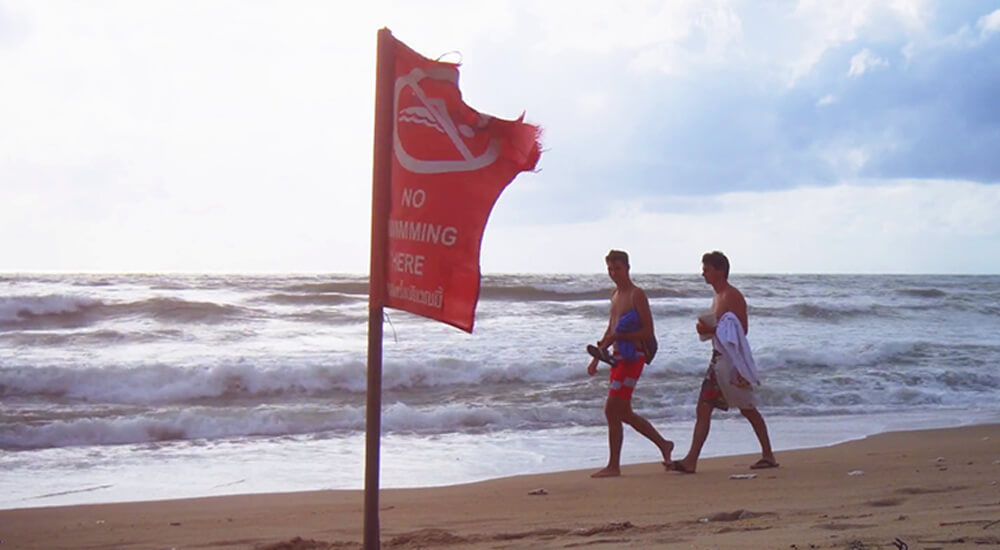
[[55, 309]]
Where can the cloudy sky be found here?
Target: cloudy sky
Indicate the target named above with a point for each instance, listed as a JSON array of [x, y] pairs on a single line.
[[797, 136]]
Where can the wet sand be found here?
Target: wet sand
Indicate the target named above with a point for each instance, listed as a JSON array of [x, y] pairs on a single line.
[[931, 489]]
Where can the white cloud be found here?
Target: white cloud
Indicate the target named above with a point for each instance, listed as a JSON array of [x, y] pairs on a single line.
[[865, 61], [664, 37], [966, 36], [914, 14], [857, 158], [592, 102], [828, 99], [231, 136], [179, 138], [822, 26], [900, 227], [613, 28], [989, 24], [850, 157]]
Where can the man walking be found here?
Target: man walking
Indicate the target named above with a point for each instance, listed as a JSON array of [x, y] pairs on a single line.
[[630, 331], [732, 372]]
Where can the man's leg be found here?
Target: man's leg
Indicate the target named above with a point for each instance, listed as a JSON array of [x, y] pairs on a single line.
[[701, 427], [614, 411], [646, 428], [760, 428]]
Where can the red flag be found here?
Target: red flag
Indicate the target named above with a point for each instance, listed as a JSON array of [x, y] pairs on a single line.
[[449, 165]]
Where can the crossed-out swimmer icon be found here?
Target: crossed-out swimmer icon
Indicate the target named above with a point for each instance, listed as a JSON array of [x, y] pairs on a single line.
[[432, 112]]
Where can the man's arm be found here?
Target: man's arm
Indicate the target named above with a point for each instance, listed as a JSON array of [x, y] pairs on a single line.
[[608, 337], [704, 328]]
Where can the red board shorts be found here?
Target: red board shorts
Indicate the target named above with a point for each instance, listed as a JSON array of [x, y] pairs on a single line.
[[624, 376]]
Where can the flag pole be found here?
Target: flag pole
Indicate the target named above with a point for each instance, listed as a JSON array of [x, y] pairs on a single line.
[[381, 180]]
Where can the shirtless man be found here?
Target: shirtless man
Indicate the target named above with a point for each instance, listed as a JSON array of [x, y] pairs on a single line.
[[722, 386], [629, 306]]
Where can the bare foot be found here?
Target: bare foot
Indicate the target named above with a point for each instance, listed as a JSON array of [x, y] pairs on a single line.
[[607, 472], [684, 466], [666, 450]]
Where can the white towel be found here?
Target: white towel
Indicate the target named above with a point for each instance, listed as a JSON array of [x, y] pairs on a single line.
[[730, 340]]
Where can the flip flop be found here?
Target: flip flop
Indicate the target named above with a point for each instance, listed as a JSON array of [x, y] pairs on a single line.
[[601, 354], [763, 463]]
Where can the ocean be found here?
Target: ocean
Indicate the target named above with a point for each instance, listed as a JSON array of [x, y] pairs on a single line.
[[140, 387]]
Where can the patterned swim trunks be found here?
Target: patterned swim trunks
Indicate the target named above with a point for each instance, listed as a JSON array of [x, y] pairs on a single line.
[[711, 393], [624, 377]]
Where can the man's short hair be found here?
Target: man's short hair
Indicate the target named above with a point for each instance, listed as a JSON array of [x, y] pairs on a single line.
[[718, 260], [617, 256]]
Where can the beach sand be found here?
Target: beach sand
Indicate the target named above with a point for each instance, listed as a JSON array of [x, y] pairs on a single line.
[[932, 489]]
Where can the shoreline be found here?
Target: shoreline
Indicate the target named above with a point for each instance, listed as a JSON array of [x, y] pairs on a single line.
[[141, 473], [916, 485]]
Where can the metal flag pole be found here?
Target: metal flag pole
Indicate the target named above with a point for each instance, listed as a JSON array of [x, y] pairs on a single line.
[[381, 180]]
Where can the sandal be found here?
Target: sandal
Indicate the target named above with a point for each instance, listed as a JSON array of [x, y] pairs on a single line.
[[600, 354], [764, 463]]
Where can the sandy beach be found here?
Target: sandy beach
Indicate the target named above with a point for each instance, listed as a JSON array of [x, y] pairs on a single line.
[[928, 489]]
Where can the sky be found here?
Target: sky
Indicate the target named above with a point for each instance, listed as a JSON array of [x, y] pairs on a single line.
[[807, 136]]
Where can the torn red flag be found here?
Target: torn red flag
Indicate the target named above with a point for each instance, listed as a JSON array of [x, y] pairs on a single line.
[[449, 165]]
